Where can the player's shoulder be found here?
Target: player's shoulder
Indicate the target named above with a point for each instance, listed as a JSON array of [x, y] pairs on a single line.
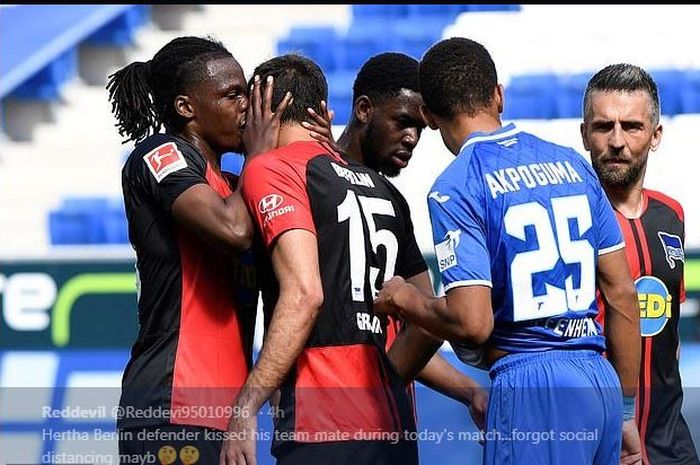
[[668, 201], [295, 155], [163, 154]]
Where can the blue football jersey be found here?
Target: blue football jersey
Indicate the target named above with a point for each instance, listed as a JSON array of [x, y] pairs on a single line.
[[528, 218]]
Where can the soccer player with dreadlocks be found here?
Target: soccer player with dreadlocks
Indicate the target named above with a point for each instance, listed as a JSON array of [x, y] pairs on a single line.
[[194, 347]]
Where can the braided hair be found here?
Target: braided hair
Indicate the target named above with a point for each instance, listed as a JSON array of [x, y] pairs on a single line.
[[143, 93]]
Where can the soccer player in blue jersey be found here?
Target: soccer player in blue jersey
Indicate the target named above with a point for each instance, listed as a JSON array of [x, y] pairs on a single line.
[[523, 233]]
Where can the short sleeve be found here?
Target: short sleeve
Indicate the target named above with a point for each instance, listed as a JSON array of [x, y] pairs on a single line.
[[274, 190], [459, 235], [170, 169]]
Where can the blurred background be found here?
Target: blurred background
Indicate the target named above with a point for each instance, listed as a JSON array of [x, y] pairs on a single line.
[[67, 285]]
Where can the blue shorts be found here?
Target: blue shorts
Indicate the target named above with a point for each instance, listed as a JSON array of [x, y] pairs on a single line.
[[554, 407]]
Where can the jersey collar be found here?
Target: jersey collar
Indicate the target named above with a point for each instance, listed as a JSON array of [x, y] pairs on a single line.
[[506, 131]]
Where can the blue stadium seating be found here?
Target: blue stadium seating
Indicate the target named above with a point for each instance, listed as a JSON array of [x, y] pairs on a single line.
[[690, 92], [316, 43], [570, 90], [669, 83], [89, 220], [39, 43], [340, 95], [232, 163], [531, 96]]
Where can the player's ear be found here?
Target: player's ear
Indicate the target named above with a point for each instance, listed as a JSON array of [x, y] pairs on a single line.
[[656, 137], [498, 97], [184, 107], [363, 109], [584, 137], [428, 117]]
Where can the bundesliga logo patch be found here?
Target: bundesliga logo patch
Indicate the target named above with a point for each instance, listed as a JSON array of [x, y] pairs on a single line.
[[673, 247], [164, 159]]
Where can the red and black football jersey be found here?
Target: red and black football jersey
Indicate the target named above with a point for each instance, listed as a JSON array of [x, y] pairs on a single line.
[[196, 306], [654, 245], [343, 386]]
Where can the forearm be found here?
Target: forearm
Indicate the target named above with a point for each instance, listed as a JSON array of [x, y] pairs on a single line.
[[623, 340], [289, 330], [442, 377], [431, 313], [411, 350]]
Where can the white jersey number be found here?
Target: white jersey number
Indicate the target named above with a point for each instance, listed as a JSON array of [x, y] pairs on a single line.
[[555, 301], [353, 208]]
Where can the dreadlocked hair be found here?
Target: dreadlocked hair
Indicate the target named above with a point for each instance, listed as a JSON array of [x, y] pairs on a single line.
[[143, 94]]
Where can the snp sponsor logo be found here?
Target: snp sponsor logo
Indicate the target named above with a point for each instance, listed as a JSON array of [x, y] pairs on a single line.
[[654, 304], [367, 322], [673, 248], [272, 206], [445, 250]]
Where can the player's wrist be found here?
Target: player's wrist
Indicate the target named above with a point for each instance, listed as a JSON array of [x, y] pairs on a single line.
[[628, 407]]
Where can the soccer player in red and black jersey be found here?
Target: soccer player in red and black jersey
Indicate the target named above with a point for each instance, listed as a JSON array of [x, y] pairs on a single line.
[[384, 129], [334, 230], [620, 127], [194, 347]]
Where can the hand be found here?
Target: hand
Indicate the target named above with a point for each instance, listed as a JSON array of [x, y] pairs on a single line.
[[238, 447], [631, 444], [394, 291], [478, 404], [262, 127], [321, 126]]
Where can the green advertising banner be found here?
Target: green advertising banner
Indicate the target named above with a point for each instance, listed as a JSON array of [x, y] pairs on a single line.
[[67, 304], [55, 304]]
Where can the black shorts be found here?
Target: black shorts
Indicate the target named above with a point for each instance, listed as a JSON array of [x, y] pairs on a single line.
[[349, 453], [169, 444]]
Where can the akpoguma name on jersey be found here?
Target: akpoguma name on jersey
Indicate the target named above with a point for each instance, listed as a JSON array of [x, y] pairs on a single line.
[[530, 176]]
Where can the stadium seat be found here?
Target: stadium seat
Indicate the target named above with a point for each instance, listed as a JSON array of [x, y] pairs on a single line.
[[316, 43], [340, 95], [690, 92], [30, 53], [531, 97], [232, 163], [363, 12], [669, 83], [122, 29], [570, 90]]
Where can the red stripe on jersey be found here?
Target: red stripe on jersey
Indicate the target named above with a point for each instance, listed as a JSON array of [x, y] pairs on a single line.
[[341, 389], [678, 209], [666, 200], [646, 369], [210, 361], [630, 245], [644, 246]]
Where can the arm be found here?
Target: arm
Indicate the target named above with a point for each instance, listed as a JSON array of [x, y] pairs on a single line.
[[414, 346], [439, 375], [295, 260], [622, 337], [224, 223], [622, 333], [465, 314]]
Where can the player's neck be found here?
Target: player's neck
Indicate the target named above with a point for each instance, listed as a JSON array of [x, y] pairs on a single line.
[[202, 147], [462, 126], [293, 132], [628, 201], [349, 143]]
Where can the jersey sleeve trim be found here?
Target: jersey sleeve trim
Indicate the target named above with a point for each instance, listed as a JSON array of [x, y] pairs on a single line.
[[614, 248], [470, 282]]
